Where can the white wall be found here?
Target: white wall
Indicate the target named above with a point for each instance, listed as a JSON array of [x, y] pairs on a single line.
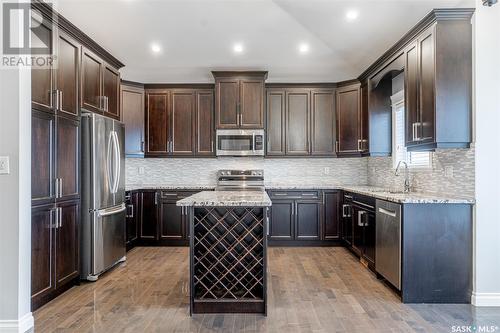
[[15, 200], [487, 119]]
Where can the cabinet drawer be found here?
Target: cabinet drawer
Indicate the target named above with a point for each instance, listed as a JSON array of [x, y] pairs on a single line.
[[176, 195], [313, 195]]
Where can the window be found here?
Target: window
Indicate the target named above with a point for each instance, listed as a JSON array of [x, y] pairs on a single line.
[[414, 159]]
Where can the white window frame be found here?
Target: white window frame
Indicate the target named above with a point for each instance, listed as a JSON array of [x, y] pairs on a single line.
[[398, 101]]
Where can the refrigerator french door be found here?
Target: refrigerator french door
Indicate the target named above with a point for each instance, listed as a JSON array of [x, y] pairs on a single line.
[[103, 190]]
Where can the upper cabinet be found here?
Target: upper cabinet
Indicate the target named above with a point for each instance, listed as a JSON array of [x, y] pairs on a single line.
[[239, 101], [300, 122], [132, 115], [436, 57], [100, 85], [438, 76], [352, 138], [179, 122]]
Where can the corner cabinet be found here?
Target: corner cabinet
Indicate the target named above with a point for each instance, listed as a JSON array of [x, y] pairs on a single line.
[[179, 122], [132, 115], [352, 125], [239, 99], [438, 86], [300, 122]]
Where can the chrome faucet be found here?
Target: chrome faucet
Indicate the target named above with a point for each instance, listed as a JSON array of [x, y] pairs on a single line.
[[407, 175]]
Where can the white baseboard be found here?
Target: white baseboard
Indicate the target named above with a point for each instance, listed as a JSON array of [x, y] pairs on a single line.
[[21, 325], [485, 299]]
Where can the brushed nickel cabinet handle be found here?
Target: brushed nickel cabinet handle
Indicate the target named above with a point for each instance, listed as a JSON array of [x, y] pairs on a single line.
[[61, 100], [60, 217], [60, 187]]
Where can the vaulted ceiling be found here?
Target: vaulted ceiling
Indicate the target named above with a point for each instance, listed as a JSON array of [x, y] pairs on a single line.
[[194, 37]]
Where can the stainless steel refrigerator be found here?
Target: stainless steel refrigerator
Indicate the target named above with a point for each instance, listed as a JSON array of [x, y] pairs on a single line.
[[103, 195]]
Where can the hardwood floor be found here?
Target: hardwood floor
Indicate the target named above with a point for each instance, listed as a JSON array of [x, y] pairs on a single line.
[[310, 290]]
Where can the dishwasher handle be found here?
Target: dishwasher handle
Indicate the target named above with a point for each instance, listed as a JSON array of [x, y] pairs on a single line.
[[387, 212]]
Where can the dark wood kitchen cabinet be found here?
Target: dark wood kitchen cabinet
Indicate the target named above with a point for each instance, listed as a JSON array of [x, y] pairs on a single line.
[[132, 218], [100, 85], [438, 86], [54, 250], [308, 217], [148, 224], [56, 89], [179, 122], [132, 115], [350, 122], [239, 99], [42, 158], [300, 122], [331, 215], [67, 158], [174, 220]]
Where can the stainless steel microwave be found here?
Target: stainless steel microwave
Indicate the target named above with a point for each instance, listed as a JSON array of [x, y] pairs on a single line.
[[236, 142]]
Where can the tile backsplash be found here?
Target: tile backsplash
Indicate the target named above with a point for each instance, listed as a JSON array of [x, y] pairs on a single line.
[[459, 181], [198, 171], [376, 171]]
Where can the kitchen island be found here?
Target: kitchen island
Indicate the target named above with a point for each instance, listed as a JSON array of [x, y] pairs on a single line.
[[228, 245]]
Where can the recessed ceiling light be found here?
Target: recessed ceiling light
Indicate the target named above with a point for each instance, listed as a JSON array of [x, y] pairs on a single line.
[[351, 14], [156, 48], [238, 48], [303, 48]]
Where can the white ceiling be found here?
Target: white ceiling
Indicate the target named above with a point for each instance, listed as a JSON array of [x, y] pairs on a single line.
[[197, 36]]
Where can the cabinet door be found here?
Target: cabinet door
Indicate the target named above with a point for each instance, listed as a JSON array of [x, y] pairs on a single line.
[[307, 215], [226, 103], [331, 228], [67, 242], [357, 231], [157, 123], [68, 62], [347, 225], [132, 115], [42, 85], [369, 237], [132, 218], [149, 224], [297, 122], [323, 123], [42, 157], [426, 75], [91, 70], [251, 103], [171, 221], [205, 123], [411, 94], [68, 158], [275, 123], [182, 120], [282, 222], [364, 120], [42, 252], [111, 91], [348, 101]]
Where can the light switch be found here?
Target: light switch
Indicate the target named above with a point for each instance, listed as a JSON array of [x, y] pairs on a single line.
[[326, 170], [141, 170], [448, 172], [4, 165]]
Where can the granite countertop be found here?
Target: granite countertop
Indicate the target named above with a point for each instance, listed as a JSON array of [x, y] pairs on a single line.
[[373, 191], [227, 199]]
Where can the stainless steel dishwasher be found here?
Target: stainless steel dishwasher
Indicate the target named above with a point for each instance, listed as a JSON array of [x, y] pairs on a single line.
[[388, 242]]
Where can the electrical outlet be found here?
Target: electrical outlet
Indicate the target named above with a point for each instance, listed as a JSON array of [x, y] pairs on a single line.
[[326, 170], [4, 165], [141, 170], [448, 172]]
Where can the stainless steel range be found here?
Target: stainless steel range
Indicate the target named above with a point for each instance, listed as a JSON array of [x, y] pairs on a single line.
[[240, 180]]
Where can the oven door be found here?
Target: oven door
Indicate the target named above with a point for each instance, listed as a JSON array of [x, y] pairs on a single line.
[[236, 143]]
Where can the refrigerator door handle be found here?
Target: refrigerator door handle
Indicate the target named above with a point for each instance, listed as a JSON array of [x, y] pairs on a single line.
[[109, 162], [117, 162], [111, 211]]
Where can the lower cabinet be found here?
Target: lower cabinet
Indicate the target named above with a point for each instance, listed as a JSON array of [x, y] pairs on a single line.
[[358, 222], [308, 217], [54, 250], [153, 218]]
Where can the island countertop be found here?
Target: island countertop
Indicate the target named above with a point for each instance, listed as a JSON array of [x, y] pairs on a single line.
[[227, 199]]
